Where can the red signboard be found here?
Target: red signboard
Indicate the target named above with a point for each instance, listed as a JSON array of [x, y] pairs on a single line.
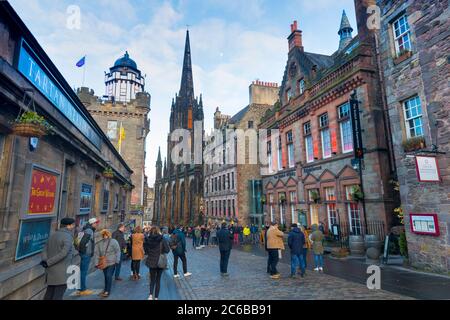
[[424, 223], [42, 193]]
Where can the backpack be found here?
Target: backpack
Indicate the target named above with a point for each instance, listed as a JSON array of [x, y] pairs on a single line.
[[77, 240]]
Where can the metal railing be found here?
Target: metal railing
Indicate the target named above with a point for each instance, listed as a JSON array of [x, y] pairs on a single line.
[[345, 230]]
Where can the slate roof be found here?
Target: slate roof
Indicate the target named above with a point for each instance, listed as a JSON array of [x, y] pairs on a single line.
[[238, 116]]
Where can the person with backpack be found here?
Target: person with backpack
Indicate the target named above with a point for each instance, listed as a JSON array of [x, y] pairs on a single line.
[[56, 258], [296, 241], [225, 240], [137, 251], [119, 236], [107, 255], [156, 248], [178, 245], [86, 248]]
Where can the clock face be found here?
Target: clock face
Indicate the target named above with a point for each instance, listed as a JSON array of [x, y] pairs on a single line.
[[293, 70]]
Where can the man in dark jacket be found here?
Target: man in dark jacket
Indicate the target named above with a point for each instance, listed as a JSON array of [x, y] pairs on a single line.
[[119, 236], [56, 258], [296, 241], [178, 246], [87, 249], [265, 247], [225, 240]]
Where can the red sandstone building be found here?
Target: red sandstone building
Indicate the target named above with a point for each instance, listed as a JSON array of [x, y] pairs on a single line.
[[312, 176]]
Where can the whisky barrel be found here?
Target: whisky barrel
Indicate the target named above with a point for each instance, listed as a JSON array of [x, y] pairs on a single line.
[[356, 244]]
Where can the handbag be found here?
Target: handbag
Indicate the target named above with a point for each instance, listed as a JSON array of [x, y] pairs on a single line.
[[102, 259], [162, 261]]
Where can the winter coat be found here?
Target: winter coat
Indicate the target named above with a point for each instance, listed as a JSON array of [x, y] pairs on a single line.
[[153, 249], [275, 238], [112, 254], [137, 246], [58, 253], [198, 233], [317, 238], [179, 239], [246, 231], [225, 239], [87, 243], [120, 238], [296, 241]]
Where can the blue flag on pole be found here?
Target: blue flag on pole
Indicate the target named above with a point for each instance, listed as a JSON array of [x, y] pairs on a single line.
[[81, 62]]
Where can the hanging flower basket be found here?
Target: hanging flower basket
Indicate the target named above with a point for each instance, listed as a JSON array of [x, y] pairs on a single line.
[[30, 124], [356, 194], [108, 173], [127, 187]]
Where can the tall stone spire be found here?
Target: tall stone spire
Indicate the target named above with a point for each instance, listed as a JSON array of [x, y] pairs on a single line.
[[159, 165], [187, 82], [345, 32]]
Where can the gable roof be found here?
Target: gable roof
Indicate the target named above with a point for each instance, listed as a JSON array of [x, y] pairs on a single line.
[[321, 60], [238, 116]]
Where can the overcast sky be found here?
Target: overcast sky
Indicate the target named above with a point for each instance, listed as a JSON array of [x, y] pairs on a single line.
[[233, 42]]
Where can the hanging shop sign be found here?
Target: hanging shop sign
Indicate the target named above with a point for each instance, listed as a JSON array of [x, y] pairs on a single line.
[[85, 199], [424, 223], [427, 169], [41, 192], [33, 235], [39, 75]]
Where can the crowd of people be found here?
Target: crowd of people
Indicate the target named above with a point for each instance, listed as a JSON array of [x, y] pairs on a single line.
[[152, 244]]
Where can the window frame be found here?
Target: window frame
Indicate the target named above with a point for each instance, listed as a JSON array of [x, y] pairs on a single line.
[[407, 32], [418, 116]]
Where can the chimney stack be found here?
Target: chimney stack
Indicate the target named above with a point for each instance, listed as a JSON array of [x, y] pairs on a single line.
[[295, 38], [362, 18]]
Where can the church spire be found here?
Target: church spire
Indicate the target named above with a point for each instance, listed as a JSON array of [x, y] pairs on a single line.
[[187, 82], [345, 32]]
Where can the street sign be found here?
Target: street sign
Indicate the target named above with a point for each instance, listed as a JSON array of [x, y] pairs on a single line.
[[356, 126]]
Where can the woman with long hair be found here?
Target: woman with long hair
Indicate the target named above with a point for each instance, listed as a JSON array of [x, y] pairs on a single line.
[[106, 256], [137, 251], [155, 246]]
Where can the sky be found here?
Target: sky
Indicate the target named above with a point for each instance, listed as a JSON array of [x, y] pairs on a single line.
[[233, 42]]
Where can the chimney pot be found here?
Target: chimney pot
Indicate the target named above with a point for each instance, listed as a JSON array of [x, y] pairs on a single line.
[[295, 25]]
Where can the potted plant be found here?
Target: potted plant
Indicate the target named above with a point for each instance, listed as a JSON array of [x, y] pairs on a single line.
[[30, 124], [127, 187], [108, 173], [399, 213], [263, 199], [356, 194], [403, 55], [413, 144], [315, 196], [282, 198]]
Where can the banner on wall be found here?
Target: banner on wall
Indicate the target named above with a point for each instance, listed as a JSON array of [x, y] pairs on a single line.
[[41, 192], [33, 235]]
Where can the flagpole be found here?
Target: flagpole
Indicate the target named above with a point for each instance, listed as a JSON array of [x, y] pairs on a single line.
[[84, 71], [120, 138]]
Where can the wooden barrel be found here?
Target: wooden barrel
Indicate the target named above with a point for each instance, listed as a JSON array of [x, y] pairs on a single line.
[[373, 241], [356, 244]]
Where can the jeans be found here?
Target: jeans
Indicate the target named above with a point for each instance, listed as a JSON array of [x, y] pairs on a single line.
[[241, 238], [108, 272], [318, 260], [55, 292], [175, 263], [305, 255], [224, 257], [273, 261], [296, 261], [84, 269], [118, 266], [155, 280], [194, 241]]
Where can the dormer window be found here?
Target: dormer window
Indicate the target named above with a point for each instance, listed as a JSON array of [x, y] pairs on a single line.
[[301, 86]]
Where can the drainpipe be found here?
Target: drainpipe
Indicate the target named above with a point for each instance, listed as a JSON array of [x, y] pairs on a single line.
[[10, 183]]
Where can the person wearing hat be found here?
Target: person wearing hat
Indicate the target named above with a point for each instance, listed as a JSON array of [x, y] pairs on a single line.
[[87, 250], [56, 258]]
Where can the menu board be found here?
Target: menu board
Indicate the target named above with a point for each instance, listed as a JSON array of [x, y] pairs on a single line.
[[426, 224]]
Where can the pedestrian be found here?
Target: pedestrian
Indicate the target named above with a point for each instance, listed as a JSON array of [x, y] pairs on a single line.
[[274, 245], [306, 246], [235, 232], [137, 251], [194, 238], [156, 248], [202, 236], [165, 233], [119, 236], [106, 256], [178, 245], [57, 257], [322, 227], [317, 246], [207, 235], [264, 236], [296, 241], [240, 231], [86, 248], [213, 236], [246, 233], [224, 238], [198, 236]]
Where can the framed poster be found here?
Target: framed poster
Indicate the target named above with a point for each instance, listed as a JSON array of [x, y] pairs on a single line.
[[33, 235], [85, 199], [41, 192], [424, 223], [427, 169]]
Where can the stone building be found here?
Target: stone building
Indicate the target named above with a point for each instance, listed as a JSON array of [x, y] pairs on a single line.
[[122, 113], [179, 186], [60, 174], [233, 188], [414, 44], [149, 205], [311, 174]]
